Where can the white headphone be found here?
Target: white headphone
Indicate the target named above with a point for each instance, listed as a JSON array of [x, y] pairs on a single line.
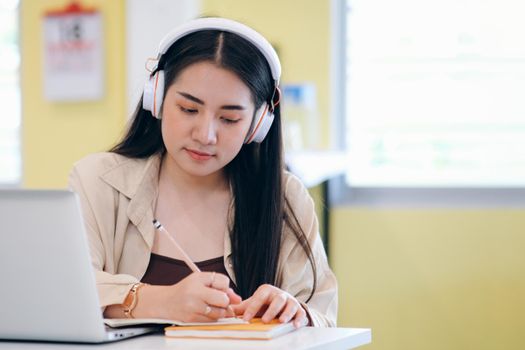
[[154, 86]]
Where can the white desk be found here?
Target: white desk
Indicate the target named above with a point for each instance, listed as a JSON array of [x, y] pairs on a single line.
[[304, 338]]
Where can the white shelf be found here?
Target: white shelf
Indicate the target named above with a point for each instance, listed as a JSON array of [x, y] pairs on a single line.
[[314, 167]]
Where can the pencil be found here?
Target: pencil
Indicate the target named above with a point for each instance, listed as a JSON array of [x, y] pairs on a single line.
[[185, 256]]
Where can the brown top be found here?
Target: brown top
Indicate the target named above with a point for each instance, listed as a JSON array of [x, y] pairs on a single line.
[[163, 270]]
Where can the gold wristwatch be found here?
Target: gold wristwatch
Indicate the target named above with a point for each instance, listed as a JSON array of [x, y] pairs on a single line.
[[131, 299]]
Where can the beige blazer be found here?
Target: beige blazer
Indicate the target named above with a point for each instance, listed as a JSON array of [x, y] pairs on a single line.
[[117, 196]]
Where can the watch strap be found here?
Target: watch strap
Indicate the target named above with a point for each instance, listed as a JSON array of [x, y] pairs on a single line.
[[131, 299]]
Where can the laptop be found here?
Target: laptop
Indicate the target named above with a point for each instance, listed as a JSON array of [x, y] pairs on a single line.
[[47, 284]]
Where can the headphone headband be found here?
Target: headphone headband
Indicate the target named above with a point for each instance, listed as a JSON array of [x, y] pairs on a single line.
[[153, 95], [226, 25]]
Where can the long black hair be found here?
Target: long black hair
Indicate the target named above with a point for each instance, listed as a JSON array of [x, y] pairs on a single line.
[[261, 210]]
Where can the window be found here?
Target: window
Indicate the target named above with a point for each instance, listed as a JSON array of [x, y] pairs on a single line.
[[434, 93], [10, 157]]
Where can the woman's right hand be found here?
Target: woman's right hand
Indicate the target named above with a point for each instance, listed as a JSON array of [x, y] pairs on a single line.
[[200, 297]]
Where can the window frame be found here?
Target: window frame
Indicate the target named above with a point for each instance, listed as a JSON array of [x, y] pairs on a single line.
[[18, 182]]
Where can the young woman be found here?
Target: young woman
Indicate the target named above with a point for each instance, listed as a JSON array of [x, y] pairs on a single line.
[[203, 157]]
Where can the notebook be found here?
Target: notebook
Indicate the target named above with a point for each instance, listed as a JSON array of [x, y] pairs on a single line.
[[48, 286], [256, 329]]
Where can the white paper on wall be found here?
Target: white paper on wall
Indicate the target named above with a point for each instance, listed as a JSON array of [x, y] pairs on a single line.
[[73, 54]]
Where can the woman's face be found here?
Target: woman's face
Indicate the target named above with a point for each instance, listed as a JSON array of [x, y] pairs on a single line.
[[206, 115]]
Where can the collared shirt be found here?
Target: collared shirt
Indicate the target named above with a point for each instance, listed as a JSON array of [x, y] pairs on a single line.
[[117, 195]]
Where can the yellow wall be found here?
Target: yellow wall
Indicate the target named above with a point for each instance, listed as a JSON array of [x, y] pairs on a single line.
[[432, 279], [54, 135], [422, 279]]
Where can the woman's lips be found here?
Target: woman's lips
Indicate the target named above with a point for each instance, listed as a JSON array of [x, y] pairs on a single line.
[[197, 155]]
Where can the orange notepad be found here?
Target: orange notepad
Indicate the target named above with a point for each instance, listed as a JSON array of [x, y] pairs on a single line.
[[256, 329]]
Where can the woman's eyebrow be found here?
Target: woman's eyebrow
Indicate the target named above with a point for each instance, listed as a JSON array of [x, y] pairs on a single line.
[[233, 107], [191, 97], [201, 102]]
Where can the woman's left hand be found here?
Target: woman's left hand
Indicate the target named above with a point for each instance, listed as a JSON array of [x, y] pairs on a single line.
[[268, 302]]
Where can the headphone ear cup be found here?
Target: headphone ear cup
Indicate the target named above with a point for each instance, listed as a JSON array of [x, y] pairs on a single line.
[[266, 123], [154, 94], [261, 126]]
